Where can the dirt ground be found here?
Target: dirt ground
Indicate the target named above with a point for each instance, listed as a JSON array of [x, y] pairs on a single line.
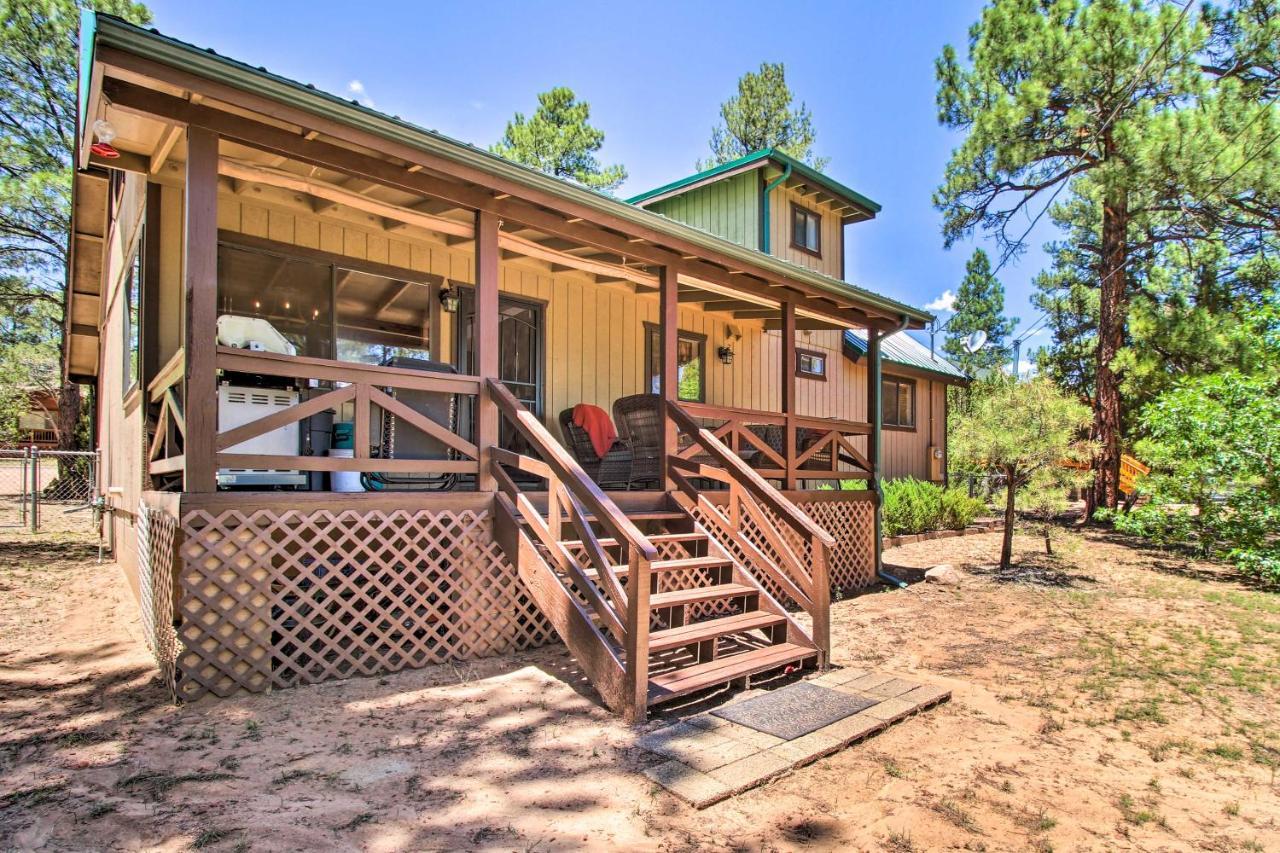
[[1111, 698]]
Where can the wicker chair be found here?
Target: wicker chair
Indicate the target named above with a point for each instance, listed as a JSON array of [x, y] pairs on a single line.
[[774, 435], [639, 420], [613, 470]]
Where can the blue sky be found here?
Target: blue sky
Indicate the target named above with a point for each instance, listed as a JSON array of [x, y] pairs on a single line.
[[655, 74]]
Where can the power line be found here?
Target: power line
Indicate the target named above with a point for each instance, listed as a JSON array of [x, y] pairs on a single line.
[[1184, 213], [1129, 88]]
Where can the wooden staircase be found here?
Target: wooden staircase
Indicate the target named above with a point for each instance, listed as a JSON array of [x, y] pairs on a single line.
[[654, 616]]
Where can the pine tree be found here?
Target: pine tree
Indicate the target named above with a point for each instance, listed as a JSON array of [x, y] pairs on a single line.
[[1162, 119], [763, 115], [558, 140], [979, 307], [38, 61]]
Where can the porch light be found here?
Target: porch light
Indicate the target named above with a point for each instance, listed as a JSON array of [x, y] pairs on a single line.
[[105, 134], [725, 353], [449, 300]]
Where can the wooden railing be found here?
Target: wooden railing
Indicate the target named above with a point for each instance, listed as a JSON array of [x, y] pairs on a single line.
[[359, 383], [573, 496], [1131, 471], [165, 454], [811, 448], [743, 514]]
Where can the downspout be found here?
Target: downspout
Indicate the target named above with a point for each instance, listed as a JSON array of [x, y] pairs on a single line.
[[764, 207], [875, 463]]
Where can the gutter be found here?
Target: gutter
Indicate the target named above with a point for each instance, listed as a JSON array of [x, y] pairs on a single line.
[[879, 526], [116, 33], [764, 207]]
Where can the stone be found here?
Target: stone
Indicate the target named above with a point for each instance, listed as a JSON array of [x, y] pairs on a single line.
[[892, 710], [836, 677], [945, 574], [866, 682], [856, 727], [926, 694], [893, 688], [718, 755], [752, 770], [693, 786]]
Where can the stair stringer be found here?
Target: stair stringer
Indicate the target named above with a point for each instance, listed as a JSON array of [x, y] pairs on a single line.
[[593, 651]]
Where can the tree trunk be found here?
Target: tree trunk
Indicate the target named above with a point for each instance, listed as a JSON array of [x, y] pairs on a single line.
[[1112, 313], [1006, 547], [68, 415]]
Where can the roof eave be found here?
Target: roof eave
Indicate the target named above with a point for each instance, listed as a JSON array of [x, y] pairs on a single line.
[[160, 48]]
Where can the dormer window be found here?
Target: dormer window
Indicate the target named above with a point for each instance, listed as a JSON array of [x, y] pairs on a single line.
[[806, 230]]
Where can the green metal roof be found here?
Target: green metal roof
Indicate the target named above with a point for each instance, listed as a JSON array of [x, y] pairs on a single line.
[[102, 29], [902, 348], [772, 155]]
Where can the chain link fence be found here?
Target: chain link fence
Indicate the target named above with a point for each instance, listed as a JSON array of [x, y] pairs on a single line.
[[49, 490]]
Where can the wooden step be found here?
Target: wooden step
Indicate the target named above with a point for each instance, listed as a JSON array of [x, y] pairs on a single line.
[[640, 515], [690, 679], [674, 638], [673, 565], [702, 593], [609, 542]]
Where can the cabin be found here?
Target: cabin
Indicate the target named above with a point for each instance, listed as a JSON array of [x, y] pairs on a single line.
[[370, 398], [37, 426]]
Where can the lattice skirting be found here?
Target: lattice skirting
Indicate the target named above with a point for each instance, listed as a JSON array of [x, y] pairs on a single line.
[[276, 598], [852, 559], [157, 529]]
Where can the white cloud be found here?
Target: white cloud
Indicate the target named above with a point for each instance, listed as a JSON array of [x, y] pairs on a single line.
[[478, 106], [358, 91], [945, 302]]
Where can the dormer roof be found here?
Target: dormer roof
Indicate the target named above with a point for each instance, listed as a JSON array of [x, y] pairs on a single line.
[[856, 206]]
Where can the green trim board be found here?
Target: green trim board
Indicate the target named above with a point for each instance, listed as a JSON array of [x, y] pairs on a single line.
[[757, 160], [152, 45]]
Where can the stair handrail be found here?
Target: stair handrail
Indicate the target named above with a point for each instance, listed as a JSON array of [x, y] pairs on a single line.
[[758, 486], [749, 482], [583, 493]]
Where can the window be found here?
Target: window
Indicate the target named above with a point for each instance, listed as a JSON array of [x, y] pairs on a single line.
[[132, 311], [806, 230], [811, 364], [691, 358], [381, 318], [898, 403], [326, 308]]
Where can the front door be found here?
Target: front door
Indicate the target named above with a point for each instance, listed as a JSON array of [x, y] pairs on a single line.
[[520, 356]]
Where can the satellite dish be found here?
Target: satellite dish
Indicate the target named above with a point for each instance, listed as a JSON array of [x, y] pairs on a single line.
[[975, 341]]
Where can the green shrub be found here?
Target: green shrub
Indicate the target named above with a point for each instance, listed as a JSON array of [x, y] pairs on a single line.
[[959, 510], [911, 506]]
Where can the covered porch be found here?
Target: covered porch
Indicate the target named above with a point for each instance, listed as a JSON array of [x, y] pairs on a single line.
[[432, 311]]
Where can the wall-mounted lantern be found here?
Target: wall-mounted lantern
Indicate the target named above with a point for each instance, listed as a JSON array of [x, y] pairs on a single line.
[[449, 299]]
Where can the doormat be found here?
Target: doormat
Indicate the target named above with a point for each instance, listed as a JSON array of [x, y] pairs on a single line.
[[795, 710]]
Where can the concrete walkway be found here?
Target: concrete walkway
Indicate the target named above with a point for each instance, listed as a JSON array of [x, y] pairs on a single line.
[[708, 759]]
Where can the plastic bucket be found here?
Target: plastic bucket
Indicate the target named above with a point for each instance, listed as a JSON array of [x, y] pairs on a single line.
[[344, 481]]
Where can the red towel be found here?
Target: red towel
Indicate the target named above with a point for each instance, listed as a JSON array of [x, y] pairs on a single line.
[[598, 426]]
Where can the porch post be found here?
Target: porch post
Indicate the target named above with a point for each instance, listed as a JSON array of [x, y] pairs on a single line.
[[669, 378], [486, 342], [200, 283], [874, 417], [789, 391]]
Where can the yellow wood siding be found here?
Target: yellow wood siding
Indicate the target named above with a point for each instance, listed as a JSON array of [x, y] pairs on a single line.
[[120, 428], [781, 199], [594, 334]]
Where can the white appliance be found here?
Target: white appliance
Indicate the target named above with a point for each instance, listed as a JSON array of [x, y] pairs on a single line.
[[241, 404], [252, 333]]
